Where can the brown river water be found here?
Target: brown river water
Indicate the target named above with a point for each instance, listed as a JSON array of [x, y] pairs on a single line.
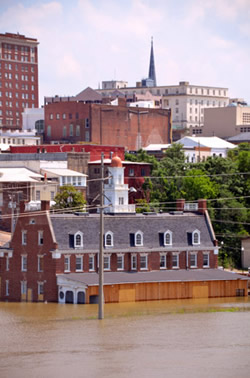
[[189, 338]]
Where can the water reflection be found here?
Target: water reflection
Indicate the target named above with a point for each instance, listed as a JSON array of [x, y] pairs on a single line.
[[189, 338]]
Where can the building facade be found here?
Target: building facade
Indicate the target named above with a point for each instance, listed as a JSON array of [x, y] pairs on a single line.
[[18, 77], [186, 101]]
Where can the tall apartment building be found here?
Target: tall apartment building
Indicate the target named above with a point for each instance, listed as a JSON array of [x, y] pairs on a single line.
[[18, 77], [187, 102]]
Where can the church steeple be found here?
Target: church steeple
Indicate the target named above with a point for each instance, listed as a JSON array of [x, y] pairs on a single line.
[[151, 72]]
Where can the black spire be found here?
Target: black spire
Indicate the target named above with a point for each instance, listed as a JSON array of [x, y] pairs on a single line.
[[151, 72]]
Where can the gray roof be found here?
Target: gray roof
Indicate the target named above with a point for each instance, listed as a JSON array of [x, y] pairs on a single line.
[[122, 226], [110, 278], [242, 137], [89, 94]]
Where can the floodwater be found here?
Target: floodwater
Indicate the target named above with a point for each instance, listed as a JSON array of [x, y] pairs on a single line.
[[189, 338]]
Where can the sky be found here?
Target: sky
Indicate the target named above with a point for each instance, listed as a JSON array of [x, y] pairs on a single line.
[[83, 42]]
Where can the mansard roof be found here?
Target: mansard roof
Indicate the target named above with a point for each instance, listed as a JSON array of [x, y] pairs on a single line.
[[123, 226]]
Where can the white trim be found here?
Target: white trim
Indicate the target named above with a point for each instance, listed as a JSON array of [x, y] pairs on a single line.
[[109, 233], [106, 256], [122, 261], [176, 254], [168, 232], [195, 255], [67, 262], [92, 256], [78, 233], [208, 265], [199, 237], [165, 260], [40, 237], [24, 237], [81, 262], [141, 234], [146, 261], [24, 266], [132, 265]]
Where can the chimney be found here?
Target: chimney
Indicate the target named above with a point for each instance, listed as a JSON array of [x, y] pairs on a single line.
[[180, 203], [202, 206], [45, 205]]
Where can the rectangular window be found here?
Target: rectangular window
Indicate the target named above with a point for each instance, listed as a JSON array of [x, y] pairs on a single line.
[[163, 261], [77, 130], [205, 260], [40, 237], [66, 263], [23, 287], [7, 288], [87, 123], [121, 201], [175, 261], [193, 260], [24, 237], [7, 263], [91, 263], [131, 172], [133, 262], [40, 288], [120, 262], [24, 263], [71, 129], [38, 195], [143, 262], [106, 263], [79, 263], [40, 263]]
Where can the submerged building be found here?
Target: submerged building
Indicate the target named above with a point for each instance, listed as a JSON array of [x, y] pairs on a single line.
[[149, 256]]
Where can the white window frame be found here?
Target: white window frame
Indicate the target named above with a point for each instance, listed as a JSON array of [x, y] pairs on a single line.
[[92, 262], [208, 259], [40, 237], [39, 286], [66, 263], [24, 263], [176, 255], [133, 262], [144, 255], [193, 254], [107, 257], [141, 235], [120, 256], [163, 256], [24, 237], [170, 237], [193, 237], [40, 263], [23, 287], [7, 291], [109, 233], [78, 233], [81, 263]]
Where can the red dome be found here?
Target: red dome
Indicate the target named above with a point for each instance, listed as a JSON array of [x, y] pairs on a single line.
[[116, 162]]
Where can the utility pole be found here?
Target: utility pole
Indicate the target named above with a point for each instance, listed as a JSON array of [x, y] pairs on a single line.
[[100, 271]]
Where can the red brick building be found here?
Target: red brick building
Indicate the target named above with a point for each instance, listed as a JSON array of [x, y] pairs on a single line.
[[19, 77], [133, 128], [54, 257]]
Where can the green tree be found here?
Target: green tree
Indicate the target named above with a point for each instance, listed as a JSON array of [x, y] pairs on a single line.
[[69, 197]]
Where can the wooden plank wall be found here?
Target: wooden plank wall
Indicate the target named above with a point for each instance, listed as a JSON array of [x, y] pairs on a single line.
[[168, 290]]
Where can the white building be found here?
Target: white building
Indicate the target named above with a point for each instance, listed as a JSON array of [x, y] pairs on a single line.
[[114, 84], [33, 119], [18, 137], [116, 192], [186, 101], [200, 148]]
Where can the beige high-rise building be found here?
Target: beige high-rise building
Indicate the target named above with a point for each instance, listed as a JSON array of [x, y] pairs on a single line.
[[226, 122]]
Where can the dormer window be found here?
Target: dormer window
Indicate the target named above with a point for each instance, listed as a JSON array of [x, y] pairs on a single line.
[[168, 238], [109, 242], [139, 238], [196, 237], [78, 242]]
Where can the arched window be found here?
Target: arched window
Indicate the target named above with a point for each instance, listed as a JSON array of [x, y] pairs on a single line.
[[168, 238], [196, 237], [109, 239], [138, 238], [78, 242]]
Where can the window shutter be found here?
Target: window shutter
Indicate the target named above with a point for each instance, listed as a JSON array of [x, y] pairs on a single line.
[[132, 240], [71, 241], [161, 239]]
